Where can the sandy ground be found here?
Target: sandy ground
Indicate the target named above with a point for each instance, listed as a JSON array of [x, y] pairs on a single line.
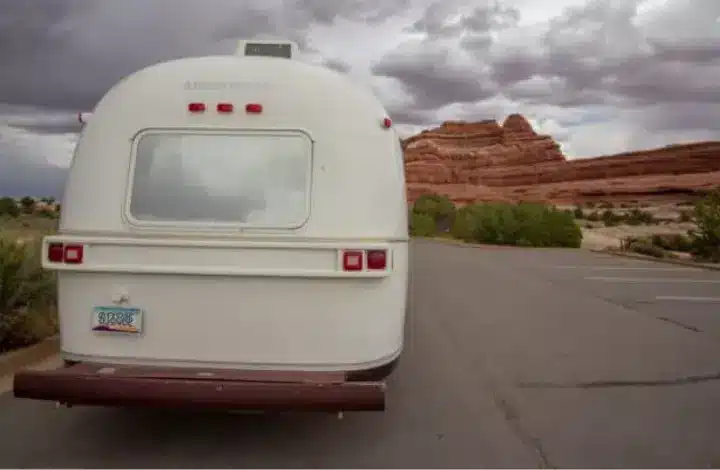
[[603, 237]]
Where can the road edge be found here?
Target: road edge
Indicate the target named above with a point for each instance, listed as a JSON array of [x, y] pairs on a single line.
[[658, 260], [453, 241], [14, 361]]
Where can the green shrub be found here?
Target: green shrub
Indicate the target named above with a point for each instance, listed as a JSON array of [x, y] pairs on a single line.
[[523, 224], [465, 222], [706, 239], [685, 216], [27, 296], [440, 208], [646, 248], [639, 217], [9, 207], [28, 204], [594, 216], [610, 219], [422, 225], [672, 242]]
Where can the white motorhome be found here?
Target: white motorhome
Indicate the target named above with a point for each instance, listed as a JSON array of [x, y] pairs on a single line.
[[233, 234]]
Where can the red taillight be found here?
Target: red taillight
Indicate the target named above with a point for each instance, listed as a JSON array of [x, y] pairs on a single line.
[[353, 260], [377, 259], [225, 107], [73, 254], [61, 253], [196, 107], [56, 252], [253, 108]]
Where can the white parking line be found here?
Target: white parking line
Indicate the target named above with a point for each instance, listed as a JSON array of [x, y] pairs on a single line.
[[652, 280], [626, 268], [687, 299]]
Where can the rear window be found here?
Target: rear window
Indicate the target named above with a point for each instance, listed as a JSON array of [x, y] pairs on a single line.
[[257, 179]]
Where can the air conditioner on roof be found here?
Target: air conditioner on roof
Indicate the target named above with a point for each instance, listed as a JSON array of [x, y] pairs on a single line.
[[267, 48]]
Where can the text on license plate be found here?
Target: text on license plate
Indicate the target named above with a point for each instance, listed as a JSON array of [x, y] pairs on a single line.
[[120, 319]]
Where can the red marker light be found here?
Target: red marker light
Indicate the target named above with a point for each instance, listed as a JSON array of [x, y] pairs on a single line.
[[225, 107], [56, 252], [196, 107], [377, 259], [387, 123], [254, 108]]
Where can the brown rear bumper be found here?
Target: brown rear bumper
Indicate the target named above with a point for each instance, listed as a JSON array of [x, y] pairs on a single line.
[[106, 384]]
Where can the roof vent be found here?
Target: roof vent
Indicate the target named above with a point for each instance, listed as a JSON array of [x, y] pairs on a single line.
[[267, 48]]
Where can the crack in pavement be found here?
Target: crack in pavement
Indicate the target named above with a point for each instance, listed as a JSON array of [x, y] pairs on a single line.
[[687, 380], [513, 419]]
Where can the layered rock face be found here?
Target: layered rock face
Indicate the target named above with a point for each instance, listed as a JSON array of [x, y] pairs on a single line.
[[474, 162]]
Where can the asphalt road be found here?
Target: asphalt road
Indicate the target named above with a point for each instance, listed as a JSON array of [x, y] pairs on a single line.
[[514, 358]]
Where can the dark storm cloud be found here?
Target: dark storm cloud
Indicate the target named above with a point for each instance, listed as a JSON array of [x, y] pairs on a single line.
[[445, 18], [327, 11], [602, 55], [66, 54], [432, 78], [492, 15], [435, 21], [337, 65], [406, 115]]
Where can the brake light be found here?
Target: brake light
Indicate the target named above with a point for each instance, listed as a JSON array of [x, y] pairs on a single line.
[[196, 107], [377, 259], [353, 260], [225, 107], [56, 252], [254, 108], [73, 254], [61, 253]]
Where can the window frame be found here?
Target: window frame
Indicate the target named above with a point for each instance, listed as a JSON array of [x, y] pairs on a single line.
[[203, 226]]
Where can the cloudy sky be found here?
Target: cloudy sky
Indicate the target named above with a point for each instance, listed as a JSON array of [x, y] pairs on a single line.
[[601, 76]]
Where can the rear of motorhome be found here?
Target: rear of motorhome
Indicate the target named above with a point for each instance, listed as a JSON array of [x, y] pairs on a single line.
[[233, 235]]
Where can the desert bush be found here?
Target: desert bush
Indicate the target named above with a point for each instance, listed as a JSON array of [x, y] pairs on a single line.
[[440, 208], [523, 224], [706, 239], [644, 247], [8, 207], [27, 296], [28, 204], [672, 242], [607, 205], [578, 213], [685, 216], [610, 219], [422, 225], [639, 217], [594, 216]]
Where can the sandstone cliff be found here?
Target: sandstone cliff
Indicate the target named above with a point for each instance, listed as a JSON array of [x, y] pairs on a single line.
[[487, 161]]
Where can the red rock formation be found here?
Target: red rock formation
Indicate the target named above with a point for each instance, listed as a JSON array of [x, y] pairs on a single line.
[[484, 161]]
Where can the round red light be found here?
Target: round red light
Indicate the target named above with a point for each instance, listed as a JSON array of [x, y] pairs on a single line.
[[387, 123]]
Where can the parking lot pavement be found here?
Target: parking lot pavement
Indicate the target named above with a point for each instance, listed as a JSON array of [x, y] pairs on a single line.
[[685, 296], [514, 358]]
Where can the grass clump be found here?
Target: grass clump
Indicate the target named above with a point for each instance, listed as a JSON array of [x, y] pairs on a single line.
[[27, 296]]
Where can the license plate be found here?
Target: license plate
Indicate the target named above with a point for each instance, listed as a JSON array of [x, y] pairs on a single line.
[[117, 319]]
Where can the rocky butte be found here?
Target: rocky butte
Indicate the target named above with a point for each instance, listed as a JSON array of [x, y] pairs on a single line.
[[486, 161]]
